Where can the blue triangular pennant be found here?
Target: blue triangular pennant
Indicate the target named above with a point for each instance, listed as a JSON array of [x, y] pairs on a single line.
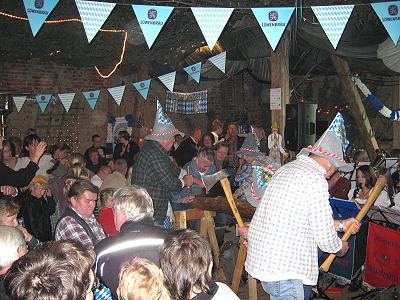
[[151, 20], [117, 93], [91, 97], [66, 100], [219, 61], [194, 71], [43, 100], [19, 101], [93, 15], [37, 12], [388, 13], [162, 118], [212, 21], [273, 21], [143, 87], [333, 20], [168, 80]]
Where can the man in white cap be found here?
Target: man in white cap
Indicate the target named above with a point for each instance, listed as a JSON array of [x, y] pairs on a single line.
[[154, 170], [293, 219]]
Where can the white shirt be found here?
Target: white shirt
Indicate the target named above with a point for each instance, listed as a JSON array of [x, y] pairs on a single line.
[[382, 200], [96, 180], [45, 163], [293, 219]]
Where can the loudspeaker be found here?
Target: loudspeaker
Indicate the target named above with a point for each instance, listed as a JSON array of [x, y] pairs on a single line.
[[300, 126]]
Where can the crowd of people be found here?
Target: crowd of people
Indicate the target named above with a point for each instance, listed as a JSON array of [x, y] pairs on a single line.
[[100, 222]]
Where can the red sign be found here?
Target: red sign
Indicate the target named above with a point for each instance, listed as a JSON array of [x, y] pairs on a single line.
[[382, 267]]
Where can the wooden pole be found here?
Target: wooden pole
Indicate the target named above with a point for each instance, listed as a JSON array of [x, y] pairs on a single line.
[[280, 77], [356, 105]]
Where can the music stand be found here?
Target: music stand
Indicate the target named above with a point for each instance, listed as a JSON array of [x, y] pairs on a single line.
[[342, 209], [386, 215]]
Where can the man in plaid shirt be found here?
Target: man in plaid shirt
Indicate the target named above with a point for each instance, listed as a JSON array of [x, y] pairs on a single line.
[[78, 222], [154, 169], [293, 219]]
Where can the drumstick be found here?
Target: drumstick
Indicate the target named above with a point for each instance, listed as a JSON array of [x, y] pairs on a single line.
[[380, 184], [228, 193]]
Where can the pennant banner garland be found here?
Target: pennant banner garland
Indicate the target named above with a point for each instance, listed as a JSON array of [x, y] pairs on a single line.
[[151, 20], [19, 102], [168, 80], [388, 13], [194, 71], [43, 100], [117, 93], [37, 12], [143, 88], [93, 15], [333, 20], [273, 21], [91, 97], [211, 21], [219, 61], [66, 100], [187, 103]]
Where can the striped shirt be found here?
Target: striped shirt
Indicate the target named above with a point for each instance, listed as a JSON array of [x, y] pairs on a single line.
[[293, 219]]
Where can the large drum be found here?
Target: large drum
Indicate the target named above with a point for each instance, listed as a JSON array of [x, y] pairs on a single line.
[[221, 204]]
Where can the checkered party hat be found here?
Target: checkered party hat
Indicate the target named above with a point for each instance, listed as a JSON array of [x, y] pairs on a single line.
[[249, 147], [329, 146], [163, 127]]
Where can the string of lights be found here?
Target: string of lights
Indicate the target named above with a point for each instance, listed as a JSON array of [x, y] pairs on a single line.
[[80, 21]]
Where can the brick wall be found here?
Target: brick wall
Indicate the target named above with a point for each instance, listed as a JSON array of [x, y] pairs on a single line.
[[237, 98]]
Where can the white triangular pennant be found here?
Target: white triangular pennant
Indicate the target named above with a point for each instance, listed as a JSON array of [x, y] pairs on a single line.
[[388, 13], [168, 80], [37, 12], [219, 61], [66, 100], [273, 21], [19, 101], [194, 71], [117, 93], [333, 20], [151, 20], [91, 97], [143, 87], [212, 21], [93, 15], [43, 100]]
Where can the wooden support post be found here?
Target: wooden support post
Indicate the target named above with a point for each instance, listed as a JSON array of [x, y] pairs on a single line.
[[237, 274], [280, 77], [252, 288], [357, 107]]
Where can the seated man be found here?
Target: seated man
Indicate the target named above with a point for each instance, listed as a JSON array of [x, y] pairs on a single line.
[[55, 270], [78, 222], [8, 217], [141, 279], [139, 236], [117, 178], [186, 262], [12, 247]]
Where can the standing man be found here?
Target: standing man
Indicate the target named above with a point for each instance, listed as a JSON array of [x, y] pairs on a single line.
[[154, 170], [97, 144], [217, 128], [187, 150], [293, 219], [235, 142], [78, 222]]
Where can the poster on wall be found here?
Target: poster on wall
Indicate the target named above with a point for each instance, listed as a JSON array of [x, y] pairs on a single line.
[[275, 99]]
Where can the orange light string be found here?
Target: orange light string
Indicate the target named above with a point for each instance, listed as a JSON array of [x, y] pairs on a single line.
[[79, 20]]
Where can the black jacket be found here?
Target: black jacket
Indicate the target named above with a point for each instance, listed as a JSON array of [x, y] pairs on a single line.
[[18, 178], [129, 154], [186, 151], [140, 239]]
